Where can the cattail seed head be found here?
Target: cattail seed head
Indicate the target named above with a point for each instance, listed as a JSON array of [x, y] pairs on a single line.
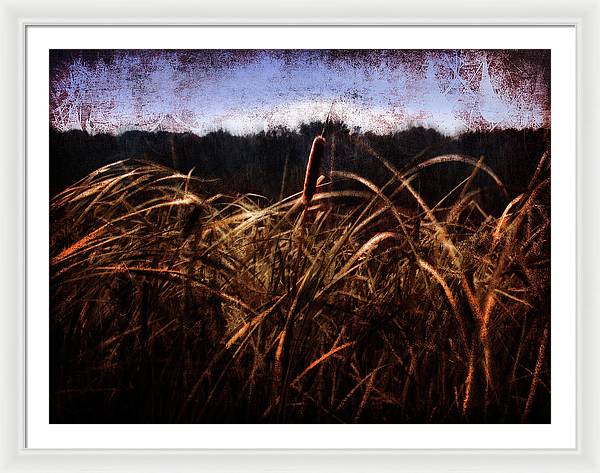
[[317, 152]]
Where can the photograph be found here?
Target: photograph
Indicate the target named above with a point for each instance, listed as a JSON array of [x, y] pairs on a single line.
[[299, 236]]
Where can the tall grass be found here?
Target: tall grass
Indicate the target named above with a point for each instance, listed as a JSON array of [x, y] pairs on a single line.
[[173, 304]]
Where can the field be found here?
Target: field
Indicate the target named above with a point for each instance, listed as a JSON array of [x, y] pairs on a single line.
[[414, 292]]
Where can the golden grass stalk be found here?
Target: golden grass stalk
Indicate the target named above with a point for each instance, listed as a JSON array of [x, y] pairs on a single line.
[[319, 360], [451, 300], [469, 383], [536, 375], [367, 393], [359, 273], [277, 369]]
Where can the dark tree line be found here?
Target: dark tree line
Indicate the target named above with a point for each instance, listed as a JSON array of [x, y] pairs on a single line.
[[272, 163]]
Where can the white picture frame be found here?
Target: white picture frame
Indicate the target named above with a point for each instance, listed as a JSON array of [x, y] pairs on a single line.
[[583, 15]]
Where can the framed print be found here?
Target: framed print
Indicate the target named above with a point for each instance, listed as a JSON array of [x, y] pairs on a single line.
[[273, 240]]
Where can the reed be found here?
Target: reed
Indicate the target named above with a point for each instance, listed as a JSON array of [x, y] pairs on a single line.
[[173, 304], [313, 169]]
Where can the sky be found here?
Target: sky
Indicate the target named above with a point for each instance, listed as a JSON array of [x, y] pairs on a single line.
[[247, 91]]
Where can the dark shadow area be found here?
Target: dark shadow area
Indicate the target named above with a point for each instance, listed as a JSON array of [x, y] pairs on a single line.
[[272, 164]]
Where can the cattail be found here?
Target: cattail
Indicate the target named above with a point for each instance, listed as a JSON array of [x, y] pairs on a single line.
[[312, 169]]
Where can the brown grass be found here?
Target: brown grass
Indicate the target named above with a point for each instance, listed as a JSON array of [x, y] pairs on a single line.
[[170, 305]]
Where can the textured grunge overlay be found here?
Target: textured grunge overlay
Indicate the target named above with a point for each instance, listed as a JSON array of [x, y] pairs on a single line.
[[300, 236], [247, 91]]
